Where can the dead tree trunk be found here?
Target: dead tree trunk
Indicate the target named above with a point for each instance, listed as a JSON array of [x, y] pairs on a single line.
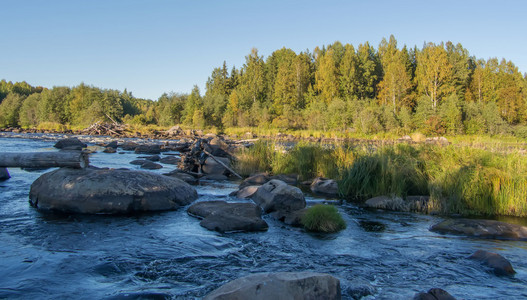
[[72, 159]]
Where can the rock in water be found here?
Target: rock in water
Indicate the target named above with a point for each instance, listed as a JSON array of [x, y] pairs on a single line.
[[434, 294], [108, 191], [325, 186], [482, 228], [70, 144], [276, 195], [278, 286], [227, 217], [499, 264], [4, 174]]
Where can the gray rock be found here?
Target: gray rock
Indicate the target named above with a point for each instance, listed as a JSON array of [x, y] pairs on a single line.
[[4, 174], [257, 179], [148, 165], [148, 149], [129, 146], [213, 167], [325, 186], [280, 286], [434, 294], [70, 144], [246, 192], [276, 195], [112, 144], [138, 162], [482, 229], [109, 150], [293, 218], [291, 179], [388, 203], [214, 177], [227, 217], [151, 157], [411, 203], [499, 264], [108, 191], [183, 176], [170, 160]]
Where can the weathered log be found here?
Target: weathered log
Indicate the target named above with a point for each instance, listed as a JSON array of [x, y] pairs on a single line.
[[72, 159]]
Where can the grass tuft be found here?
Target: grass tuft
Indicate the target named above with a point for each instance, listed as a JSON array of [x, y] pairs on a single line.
[[323, 218]]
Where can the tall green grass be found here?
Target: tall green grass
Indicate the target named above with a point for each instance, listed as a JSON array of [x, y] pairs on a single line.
[[459, 179]]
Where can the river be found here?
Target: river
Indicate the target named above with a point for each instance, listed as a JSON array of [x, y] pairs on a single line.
[[169, 255]]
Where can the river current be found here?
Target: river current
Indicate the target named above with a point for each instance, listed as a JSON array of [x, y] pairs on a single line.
[[168, 255]]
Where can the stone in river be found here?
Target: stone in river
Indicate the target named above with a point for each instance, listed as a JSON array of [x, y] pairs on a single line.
[[108, 191]]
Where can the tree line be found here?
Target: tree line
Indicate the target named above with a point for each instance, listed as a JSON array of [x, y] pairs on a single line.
[[438, 89]]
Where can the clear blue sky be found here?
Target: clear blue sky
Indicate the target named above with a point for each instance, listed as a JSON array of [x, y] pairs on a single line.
[[151, 47]]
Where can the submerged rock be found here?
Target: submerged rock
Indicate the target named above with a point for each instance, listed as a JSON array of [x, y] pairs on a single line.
[[276, 195], [488, 229], [325, 186], [499, 264], [4, 174], [225, 217], [284, 285], [108, 191], [434, 294]]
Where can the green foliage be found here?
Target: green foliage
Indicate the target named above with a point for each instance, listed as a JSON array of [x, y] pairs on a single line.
[[396, 171], [323, 218], [460, 180], [438, 89], [9, 110]]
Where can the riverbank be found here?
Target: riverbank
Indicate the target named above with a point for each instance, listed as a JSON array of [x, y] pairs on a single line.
[[457, 180]]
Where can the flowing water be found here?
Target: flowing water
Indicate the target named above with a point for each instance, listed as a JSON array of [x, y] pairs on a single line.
[[168, 255]]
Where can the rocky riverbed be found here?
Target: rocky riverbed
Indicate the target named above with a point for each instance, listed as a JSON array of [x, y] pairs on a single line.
[[380, 255]]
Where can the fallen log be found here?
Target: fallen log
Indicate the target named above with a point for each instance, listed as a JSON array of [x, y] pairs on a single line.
[[72, 159]]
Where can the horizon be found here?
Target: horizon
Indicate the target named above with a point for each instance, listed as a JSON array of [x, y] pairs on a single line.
[[156, 49]]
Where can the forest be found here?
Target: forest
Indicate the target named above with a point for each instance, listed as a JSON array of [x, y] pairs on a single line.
[[439, 89]]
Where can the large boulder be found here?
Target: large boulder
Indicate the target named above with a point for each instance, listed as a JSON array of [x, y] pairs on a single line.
[[108, 191], [499, 264], [227, 217], [280, 286], [434, 294], [489, 229], [246, 192], [70, 144], [276, 195], [325, 186]]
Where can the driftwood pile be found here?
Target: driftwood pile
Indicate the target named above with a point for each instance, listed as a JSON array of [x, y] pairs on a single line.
[[207, 156], [100, 128]]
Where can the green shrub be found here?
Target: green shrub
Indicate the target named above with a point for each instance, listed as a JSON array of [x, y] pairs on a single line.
[[323, 218]]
